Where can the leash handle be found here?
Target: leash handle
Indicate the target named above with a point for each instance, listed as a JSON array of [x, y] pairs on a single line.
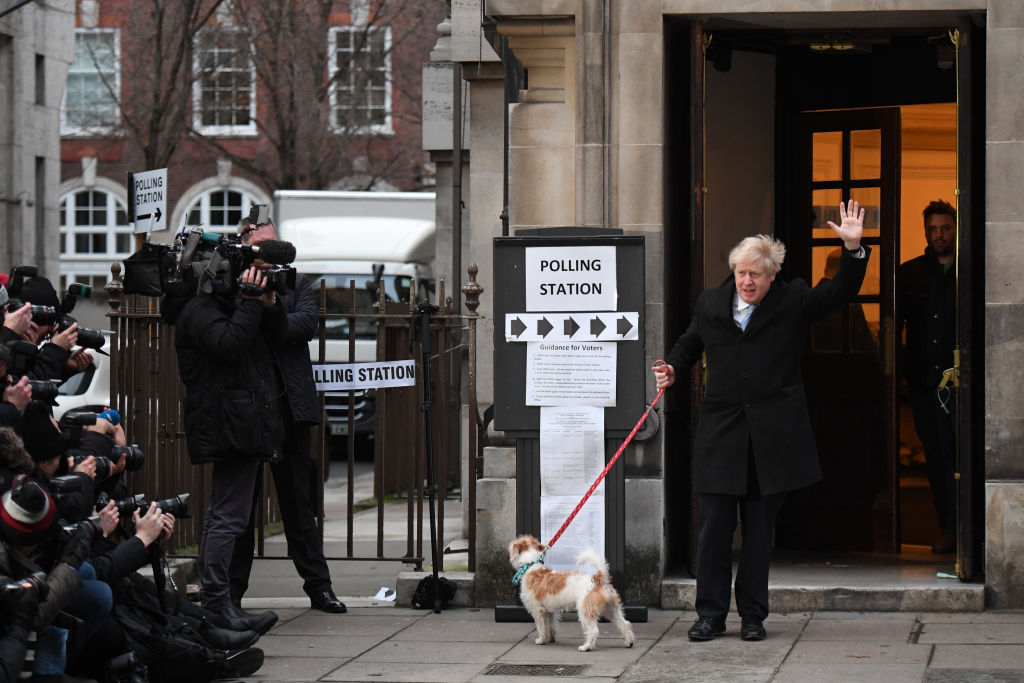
[[607, 467]]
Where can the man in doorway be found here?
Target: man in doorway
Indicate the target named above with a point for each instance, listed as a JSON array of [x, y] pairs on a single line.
[[754, 440], [294, 476], [926, 304]]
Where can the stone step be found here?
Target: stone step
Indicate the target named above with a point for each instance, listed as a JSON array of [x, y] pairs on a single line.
[[816, 596]]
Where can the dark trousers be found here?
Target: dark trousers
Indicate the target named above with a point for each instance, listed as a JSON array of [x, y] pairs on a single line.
[[232, 490], [934, 427], [717, 521], [295, 481]]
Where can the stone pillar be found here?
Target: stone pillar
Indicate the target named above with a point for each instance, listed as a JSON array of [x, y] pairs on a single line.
[[1004, 308]]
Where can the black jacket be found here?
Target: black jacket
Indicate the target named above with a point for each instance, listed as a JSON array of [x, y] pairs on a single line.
[[926, 304], [232, 390], [292, 353], [754, 393]]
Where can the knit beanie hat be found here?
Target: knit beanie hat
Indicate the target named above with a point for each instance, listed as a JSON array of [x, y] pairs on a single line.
[[43, 439], [27, 512], [39, 292]]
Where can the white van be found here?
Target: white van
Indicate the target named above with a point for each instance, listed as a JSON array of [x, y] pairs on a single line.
[[366, 237]]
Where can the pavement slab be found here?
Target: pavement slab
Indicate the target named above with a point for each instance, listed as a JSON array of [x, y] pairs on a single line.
[[979, 657], [350, 624], [404, 672], [275, 645], [873, 654], [411, 652], [985, 633], [296, 668], [817, 672], [872, 629]]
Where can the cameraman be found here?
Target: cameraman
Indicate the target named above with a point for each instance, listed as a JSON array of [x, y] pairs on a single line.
[[294, 476], [56, 358], [232, 415]]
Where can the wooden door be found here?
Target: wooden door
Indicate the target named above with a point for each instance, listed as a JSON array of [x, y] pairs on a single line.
[[848, 362]]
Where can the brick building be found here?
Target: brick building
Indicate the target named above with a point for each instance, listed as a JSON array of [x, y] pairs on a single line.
[[355, 126]]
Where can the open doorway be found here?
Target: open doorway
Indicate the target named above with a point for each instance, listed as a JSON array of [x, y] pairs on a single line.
[[759, 112]]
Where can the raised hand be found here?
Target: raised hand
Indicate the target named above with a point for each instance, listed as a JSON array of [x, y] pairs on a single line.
[[851, 228]]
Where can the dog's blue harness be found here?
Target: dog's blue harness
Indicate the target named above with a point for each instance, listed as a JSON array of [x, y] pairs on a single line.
[[522, 570]]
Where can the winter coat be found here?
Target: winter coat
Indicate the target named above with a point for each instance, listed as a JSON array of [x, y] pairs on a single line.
[[292, 353], [232, 390], [754, 402], [926, 304], [62, 580]]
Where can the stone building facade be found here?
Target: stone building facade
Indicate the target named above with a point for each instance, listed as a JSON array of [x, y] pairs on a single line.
[[35, 50], [696, 122]]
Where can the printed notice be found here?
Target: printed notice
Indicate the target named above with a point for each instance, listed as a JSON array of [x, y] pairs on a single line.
[[570, 373], [571, 449], [585, 531]]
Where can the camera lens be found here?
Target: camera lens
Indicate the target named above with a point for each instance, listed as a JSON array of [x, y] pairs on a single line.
[[134, 457]]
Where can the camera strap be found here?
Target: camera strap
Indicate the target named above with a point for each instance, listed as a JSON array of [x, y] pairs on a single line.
[[22, 560]]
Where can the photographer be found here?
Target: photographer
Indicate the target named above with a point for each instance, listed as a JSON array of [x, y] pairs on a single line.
[[232, 414], [16, 393], [294, 476], [56, 358]]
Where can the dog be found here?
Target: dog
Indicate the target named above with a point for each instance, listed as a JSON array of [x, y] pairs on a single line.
[[546, 592]]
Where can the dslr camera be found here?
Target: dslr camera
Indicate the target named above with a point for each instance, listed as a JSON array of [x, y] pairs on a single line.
[[19, 355], [12, 589], [49, 315]]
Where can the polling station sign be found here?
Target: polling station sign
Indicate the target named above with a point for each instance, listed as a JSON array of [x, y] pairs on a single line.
[[578, 278], [147, 200], [349, 376]]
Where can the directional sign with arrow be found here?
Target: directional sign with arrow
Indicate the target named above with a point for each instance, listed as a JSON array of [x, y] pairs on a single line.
[[589, 326], [147, 200]]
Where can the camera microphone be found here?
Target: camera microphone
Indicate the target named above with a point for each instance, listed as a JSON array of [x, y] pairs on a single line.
[[277, 252]]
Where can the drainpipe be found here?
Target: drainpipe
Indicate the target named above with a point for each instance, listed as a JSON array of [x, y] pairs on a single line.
[[457, 187]]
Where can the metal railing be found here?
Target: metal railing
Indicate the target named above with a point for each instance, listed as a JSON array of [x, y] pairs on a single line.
[[146, 389]]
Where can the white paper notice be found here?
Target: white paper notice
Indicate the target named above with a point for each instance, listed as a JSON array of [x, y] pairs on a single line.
[[586, 530], [570, 279], [571, 450], [570, 373]]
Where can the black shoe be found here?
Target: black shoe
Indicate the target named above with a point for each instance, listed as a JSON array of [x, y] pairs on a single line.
[[126, 668], [226, 615], [327, 601], [226, 639], [241, 663], [752, 629], [706, 628]]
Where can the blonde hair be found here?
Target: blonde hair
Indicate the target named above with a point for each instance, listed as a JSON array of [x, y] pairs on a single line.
[[764, 249]]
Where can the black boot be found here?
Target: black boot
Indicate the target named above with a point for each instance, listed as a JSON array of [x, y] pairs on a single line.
[[236, 663], [225, 639], [226, 615], [127, 668]]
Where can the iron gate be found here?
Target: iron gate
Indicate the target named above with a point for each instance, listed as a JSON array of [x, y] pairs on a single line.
[[146, 390]]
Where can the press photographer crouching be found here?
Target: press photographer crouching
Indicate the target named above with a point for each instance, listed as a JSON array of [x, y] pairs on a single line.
[[33, 545], [233, 394]]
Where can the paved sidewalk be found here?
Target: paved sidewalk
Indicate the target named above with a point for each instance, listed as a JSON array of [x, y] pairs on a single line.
[[400, 644]]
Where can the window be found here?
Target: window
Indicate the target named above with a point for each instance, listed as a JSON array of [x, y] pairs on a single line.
[[223, 96], [94, 232], [360, 65], [91, 96], [219, 210]]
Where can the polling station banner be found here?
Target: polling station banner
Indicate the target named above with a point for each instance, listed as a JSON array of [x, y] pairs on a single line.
[[349, 376]]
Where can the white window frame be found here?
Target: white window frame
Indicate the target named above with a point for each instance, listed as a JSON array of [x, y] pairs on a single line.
[[332, 57], [101, 129], [220, 130], [204, 205], [74, 265]]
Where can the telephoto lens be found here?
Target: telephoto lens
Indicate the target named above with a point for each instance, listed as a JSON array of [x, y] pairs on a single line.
[[45, 390], [10, 588], [125, 506], [134, 457], [175, 505]]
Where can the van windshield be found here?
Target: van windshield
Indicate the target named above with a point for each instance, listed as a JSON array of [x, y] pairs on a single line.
[[339, 299]]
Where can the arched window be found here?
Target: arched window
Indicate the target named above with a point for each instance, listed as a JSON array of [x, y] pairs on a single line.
[[94, 232], [220, 210]]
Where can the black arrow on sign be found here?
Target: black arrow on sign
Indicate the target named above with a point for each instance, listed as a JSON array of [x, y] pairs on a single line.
[[543, 327], [147, 215], [624, 326], [596, 327], [569, 327], [518, 327]]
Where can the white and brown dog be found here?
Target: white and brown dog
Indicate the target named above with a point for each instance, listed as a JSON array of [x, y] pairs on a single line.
[[546, 592]]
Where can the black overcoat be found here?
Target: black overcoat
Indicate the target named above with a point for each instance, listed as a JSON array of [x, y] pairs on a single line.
[[291, 351], [754, 398]]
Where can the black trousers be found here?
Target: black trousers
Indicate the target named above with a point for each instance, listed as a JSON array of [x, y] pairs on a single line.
[[717, 523], [934, 427], [294, 479]]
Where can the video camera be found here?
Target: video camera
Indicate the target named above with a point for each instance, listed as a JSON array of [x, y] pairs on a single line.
[[49, 315], [203, 261]]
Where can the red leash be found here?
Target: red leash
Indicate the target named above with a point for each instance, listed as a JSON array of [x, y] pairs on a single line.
[[607, 467]]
